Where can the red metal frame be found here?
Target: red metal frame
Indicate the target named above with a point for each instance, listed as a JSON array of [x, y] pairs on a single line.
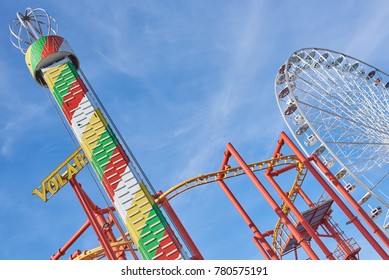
[[351, 200], [300, 239], [353, 219], [299, 216], [71, 241], [347, 247], [258, 238], [101, 226]]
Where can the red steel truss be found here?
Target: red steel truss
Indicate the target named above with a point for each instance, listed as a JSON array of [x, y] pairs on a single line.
[[299, 228]]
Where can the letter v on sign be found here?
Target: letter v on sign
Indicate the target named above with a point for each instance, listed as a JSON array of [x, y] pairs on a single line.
[[52, 183]]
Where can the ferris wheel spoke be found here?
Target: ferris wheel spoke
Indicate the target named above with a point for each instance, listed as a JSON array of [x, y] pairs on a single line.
[[338, 105], [341, 92], [324, 100], [348, 110], [351, 133], [342, 117]]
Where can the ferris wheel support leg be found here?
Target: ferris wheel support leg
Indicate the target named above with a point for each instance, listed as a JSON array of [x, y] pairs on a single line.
[[335, 197], [351, 200], [299, 216]]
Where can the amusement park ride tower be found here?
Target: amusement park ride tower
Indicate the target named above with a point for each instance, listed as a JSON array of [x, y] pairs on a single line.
[[54, 65]]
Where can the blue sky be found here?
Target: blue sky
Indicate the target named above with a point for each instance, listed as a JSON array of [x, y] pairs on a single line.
[[180, 79]]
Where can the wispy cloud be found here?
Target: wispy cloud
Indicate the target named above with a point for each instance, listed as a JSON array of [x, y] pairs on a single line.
[[17, 121], [157, 44], [368, 36], [222, 117]]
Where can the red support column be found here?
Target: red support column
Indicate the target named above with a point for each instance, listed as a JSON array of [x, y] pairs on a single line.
[[107, 228], [300, 240], [111, 217], [277, 153], [351, 200], [71, 241], [182, 230], [104, 224], [349, 253], [258, 238], [93, 220], [122, 234], [299, 216], [335, 197], [305, 197]]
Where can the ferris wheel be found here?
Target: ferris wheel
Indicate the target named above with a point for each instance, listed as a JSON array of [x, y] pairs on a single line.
[[337, 107]]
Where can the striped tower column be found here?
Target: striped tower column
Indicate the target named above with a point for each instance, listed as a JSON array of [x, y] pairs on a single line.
[[53, 64]]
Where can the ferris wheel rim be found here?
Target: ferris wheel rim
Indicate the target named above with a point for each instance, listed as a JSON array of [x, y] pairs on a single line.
[[298, 109]]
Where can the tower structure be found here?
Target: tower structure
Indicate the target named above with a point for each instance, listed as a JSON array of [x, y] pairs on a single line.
[[54, 65]]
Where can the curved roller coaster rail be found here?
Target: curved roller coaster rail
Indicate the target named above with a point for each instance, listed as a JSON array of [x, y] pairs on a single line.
[[225, 174]]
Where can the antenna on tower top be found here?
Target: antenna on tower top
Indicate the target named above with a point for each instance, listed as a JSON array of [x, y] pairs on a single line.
[[30, 26]]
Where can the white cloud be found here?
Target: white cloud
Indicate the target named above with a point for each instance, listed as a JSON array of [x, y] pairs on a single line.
[[18, 123]]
